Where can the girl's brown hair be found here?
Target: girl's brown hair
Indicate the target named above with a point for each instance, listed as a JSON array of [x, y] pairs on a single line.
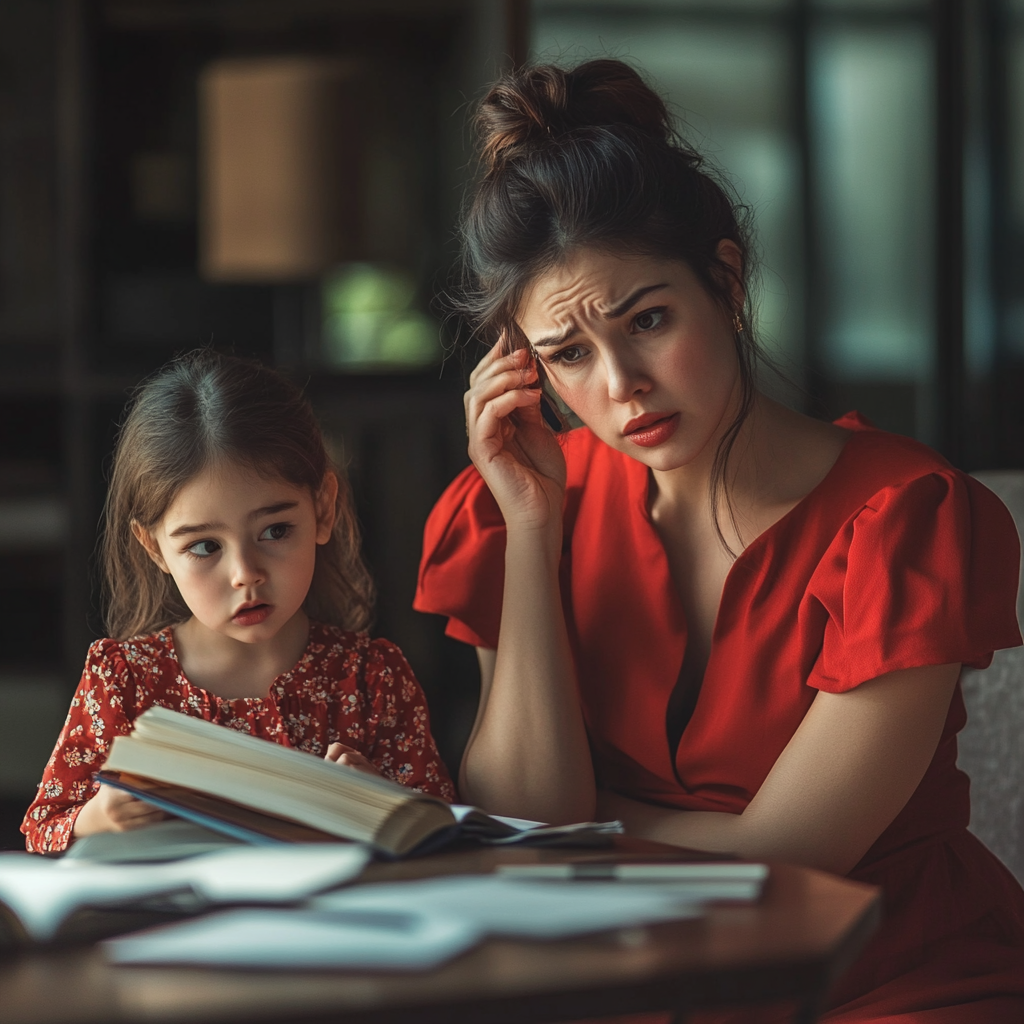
[[200, 409], [587, 157]]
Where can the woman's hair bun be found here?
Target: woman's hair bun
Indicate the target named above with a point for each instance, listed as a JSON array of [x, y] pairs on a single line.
[[531, 107]]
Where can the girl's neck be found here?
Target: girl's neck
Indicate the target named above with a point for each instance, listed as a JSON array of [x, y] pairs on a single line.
[[231, 669]]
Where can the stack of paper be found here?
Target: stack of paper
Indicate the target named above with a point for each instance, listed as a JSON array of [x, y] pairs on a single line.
[[403, 925]]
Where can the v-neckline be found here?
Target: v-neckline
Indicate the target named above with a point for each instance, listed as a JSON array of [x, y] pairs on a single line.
[[764, 540]]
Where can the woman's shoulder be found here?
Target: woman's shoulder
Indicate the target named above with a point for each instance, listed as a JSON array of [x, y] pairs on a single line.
[[875, 459], [906, 481]]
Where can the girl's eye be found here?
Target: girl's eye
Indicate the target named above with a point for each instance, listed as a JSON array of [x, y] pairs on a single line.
[[203, 548], [648, 319], [277, 531]]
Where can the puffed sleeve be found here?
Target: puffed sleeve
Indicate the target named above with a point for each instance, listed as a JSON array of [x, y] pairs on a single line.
[[924, 574], [463, 567], [397, 736], [96, 716]]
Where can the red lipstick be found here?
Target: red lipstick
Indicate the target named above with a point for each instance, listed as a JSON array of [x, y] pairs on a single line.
[[252, 613], [651, 429]]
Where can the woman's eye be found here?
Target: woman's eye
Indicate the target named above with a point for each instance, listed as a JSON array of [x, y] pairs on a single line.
[[278, 531], [648, 319], [572, 354], [203, 548]]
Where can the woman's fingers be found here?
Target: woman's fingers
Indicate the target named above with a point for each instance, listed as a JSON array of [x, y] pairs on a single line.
[[494, 415], [495, 358], [493, 387]]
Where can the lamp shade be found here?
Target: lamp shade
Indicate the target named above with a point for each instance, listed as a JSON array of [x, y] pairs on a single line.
[[279, 167]]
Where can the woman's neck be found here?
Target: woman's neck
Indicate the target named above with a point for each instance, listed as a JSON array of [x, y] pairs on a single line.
[[776, 459], [231, 669]]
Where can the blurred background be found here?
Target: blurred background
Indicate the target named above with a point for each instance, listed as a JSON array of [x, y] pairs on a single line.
[[281, 179]]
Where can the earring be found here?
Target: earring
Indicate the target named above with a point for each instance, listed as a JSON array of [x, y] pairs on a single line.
[[737, 323]]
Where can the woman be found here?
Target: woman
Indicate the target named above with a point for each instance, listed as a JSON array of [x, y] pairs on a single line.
[[733, 627]]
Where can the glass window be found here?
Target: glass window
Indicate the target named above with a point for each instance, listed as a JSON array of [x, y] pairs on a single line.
[[1013, 314], [872, 138]]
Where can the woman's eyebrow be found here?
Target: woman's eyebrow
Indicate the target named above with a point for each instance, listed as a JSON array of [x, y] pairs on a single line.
[[631, 300], [613, 314]]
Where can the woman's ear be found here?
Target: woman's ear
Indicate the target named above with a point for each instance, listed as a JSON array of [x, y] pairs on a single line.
[[728, 252], [148, 541], [325, 503]]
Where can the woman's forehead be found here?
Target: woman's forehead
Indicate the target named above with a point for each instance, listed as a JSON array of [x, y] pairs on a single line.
[[591, 282]]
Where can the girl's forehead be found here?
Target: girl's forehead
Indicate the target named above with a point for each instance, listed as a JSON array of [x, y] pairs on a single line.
[[227, 482]]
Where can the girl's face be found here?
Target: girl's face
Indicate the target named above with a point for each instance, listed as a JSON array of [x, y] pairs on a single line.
[[242, 547], [639, 350]]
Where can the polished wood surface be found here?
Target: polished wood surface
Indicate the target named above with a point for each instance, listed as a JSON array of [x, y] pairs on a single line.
[[805, 930]]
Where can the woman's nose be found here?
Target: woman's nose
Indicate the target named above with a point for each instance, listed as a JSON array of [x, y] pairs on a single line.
[[625, 379]]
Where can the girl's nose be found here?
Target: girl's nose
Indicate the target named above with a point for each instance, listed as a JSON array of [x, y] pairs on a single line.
[[246, 571]]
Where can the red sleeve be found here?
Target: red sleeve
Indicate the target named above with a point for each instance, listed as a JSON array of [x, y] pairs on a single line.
[[463, 567], [397, 737], [924, 574], [96, 716]]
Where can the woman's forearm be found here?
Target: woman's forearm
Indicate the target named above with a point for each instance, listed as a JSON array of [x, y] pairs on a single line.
[[529, 755], [849, 769]]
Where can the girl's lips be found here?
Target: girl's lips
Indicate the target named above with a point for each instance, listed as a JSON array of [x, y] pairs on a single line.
[[654, 431], [252, 615]]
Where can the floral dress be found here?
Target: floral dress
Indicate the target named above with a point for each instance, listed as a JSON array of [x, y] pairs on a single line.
[[345, 687]]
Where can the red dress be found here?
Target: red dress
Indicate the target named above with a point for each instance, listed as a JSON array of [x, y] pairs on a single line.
[[345, 687], [894, 560]]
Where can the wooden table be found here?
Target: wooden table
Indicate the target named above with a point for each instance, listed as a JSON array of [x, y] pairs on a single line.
[[807, 928]]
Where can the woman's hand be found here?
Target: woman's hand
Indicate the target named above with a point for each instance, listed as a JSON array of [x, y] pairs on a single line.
[[341, 754], [514, 450], [114, 810]]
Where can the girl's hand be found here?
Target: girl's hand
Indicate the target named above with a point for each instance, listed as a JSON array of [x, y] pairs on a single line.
[[341, 754], [511, 446], [113, 810]]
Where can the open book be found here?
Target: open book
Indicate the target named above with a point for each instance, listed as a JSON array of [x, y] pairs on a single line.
[[260, 792]]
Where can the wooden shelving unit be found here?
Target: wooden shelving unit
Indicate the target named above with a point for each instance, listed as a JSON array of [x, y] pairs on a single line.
[[92, 86]]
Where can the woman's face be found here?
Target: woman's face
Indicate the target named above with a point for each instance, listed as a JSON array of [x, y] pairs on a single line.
[[639, 350]]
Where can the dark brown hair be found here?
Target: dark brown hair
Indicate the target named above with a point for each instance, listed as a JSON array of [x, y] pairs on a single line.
[[198, 410], [587, 157]]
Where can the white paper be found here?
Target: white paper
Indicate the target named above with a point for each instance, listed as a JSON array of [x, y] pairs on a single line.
[[511, 907], [399, 925], [271, 874], [290, 939], [43, 892]]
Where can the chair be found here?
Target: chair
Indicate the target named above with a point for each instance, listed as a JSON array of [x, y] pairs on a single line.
[[992, 743]]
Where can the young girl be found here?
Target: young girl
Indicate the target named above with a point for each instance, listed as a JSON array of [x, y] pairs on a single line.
[[734, 627], [235, 593]]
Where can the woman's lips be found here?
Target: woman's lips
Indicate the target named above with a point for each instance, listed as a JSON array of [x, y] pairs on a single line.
[[652, 431], [252, 615]]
